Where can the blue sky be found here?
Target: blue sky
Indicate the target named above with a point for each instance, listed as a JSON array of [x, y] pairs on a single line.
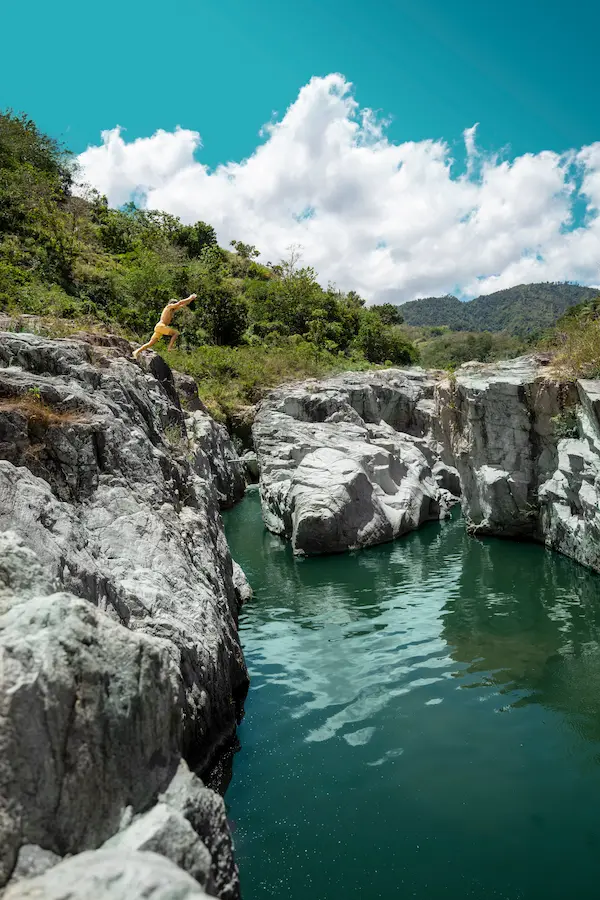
[[526, 72]]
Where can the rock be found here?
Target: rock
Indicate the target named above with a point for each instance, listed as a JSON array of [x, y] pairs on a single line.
[[347, 462], [163, 830], [214, 457], [205, 811], [569, 500], [90, 724], [110, 875], [118, 596], [500, 422], [187, 390], [250, 464], [33, 860]]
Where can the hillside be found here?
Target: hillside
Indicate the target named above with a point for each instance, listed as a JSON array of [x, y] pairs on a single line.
[[524, 310], [78, 261]]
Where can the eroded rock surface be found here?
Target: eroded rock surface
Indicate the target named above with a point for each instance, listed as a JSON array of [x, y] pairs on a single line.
[[527, 448], [349, 461], [118, 599], [110, 875]]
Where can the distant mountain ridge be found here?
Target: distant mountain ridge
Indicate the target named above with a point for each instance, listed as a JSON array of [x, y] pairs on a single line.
[[523, 310]]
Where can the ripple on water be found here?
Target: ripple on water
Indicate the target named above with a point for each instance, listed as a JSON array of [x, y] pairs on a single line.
[[423, 720]]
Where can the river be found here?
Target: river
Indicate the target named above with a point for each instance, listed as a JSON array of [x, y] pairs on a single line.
[[423, 720]]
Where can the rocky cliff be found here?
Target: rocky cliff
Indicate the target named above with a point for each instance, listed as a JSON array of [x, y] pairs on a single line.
[[120, 665], [364, 458], [527, 448]]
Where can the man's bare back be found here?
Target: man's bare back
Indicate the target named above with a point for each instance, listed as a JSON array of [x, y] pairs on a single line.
[[163, 326]]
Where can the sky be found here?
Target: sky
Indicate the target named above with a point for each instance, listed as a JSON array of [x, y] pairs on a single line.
[[408, 149]]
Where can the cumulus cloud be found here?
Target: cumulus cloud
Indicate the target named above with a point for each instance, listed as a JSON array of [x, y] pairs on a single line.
[[391, 221]]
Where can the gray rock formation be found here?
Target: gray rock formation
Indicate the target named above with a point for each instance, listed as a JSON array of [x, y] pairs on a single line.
[[110, 875], [364, 458], [118, 596], [527, 448], [349, 462]]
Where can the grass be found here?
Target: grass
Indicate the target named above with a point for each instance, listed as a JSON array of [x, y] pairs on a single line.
[[37, 411], [231, 378], [577, 349]]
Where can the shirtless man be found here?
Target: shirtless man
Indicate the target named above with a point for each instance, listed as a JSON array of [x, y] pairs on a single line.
[[163, 326]]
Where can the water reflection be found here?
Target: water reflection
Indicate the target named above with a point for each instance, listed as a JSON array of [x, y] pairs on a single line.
[[417, 714]]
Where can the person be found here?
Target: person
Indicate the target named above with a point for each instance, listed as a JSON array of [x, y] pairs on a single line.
[[163, 326]]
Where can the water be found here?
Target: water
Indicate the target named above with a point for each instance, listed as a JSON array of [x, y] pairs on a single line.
[[423, 721]]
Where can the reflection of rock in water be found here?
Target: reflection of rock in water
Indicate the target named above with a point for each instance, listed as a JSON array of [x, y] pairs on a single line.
[[528, 620]]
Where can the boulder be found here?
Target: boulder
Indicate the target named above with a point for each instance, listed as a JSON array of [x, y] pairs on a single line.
[[110, 875], [348, 462], [163, 830]]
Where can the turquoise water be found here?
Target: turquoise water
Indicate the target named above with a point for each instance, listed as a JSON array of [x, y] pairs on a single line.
[[423, 721]]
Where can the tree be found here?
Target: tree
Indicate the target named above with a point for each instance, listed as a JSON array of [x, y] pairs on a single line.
[[221, 312], [381, 343], [195, 238], [389, 314], [247, 251]]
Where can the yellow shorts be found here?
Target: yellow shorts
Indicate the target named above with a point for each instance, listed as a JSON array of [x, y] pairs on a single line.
[[164, 329]]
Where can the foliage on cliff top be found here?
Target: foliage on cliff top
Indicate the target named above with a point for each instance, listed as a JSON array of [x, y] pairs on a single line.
[[576, 341]]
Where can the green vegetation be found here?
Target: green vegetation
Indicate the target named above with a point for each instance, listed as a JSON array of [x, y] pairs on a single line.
[[575, 341], [78, 264], [524, 311], [74, 258], [440, 348]]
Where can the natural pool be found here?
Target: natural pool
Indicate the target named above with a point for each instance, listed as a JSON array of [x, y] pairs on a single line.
[[423, 720]]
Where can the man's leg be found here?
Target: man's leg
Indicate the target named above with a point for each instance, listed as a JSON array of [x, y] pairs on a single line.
[[173, 339], [153, 340]]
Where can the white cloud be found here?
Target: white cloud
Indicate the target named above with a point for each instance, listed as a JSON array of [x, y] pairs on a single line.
[[391, 221]]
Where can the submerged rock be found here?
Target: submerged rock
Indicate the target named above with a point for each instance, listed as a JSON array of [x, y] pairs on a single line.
[[119, 600], [349, 461]]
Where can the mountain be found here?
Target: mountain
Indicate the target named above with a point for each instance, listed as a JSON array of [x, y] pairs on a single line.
[[523, 310]]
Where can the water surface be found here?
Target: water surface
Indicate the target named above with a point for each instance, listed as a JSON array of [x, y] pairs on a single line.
[[423, 720]]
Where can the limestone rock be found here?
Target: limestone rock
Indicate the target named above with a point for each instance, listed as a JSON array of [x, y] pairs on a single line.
[[163, 830], [118, 637], [33, 860], [110, 875], [501, 424], [347, 462], [90, 723], [205, 811]]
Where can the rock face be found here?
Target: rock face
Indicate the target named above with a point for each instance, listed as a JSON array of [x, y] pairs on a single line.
[[351, 461], [527, 448], [118, 611], [364, 458]]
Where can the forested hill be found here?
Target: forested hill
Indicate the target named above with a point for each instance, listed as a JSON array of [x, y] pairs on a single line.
[[523, 310]]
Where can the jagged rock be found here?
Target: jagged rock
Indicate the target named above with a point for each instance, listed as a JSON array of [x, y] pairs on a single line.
[[136, 661], [188, 392], [347, 462], [569, 500], [90, 723], [110, 875], [205, 811], [214, 457], [250, 463], [163, 830], [33, 860], [520, 478]]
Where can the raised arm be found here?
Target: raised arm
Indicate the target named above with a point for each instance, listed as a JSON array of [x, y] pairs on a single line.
[[181, 303]]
